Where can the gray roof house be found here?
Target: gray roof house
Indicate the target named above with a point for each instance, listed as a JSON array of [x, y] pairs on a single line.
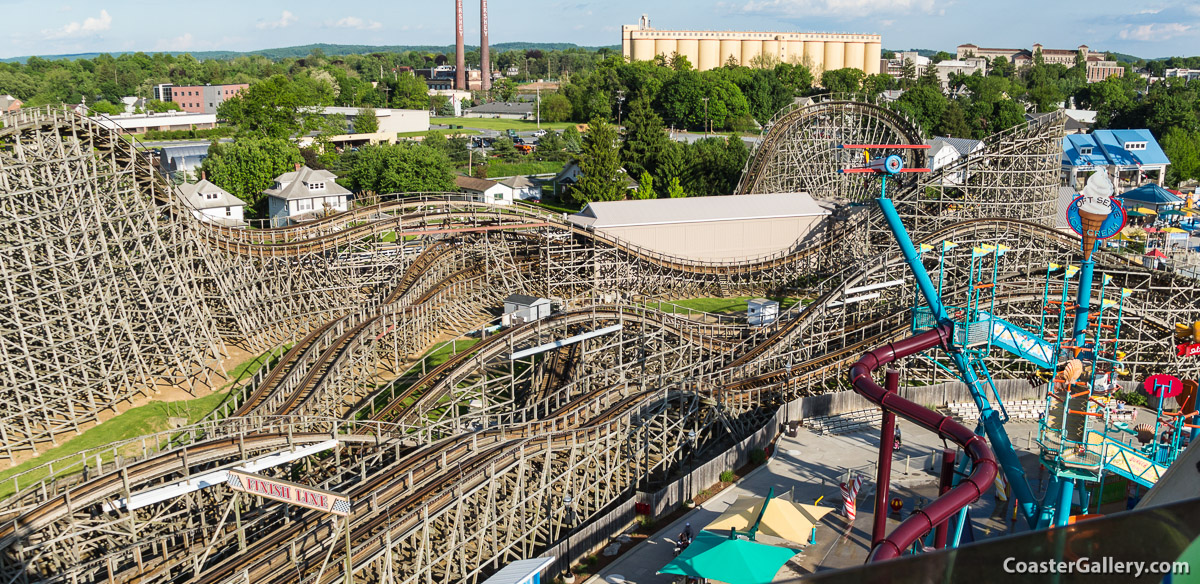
[[303, 195], [211, 203]]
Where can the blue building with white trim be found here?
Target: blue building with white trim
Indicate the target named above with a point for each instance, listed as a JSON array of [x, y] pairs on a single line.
[[1132, 158]]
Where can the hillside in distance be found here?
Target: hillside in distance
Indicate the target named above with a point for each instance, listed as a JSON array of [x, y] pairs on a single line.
[[333, 51]]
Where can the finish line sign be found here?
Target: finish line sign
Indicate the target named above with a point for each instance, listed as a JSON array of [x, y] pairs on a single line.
[[289, 492]]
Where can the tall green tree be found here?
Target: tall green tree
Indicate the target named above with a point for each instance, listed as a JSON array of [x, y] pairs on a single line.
[[407, 91], [924, 105], [572, 140], [248, 166], [600, 165], [673, 163], [796, 78], [504, 89], [555, 108], [366, 122], [716, 165], [552, 147], [846, 80], [908, 73], [1182, 147], [954, 122], [645, 138], [675, 190], [645, 188], [399, 168]]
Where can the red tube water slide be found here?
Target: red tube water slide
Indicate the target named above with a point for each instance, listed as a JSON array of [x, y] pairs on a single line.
[[980, 480]]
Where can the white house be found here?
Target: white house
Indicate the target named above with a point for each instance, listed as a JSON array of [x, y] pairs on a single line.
[[945, 151], [521, 188], [212, 203], [305, 194], [484, 191]]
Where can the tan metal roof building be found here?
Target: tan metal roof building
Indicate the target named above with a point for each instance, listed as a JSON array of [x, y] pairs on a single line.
[[709, 228]]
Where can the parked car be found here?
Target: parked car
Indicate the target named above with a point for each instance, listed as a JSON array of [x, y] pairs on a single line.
[[539, 133], [534, 199], [518, 141]]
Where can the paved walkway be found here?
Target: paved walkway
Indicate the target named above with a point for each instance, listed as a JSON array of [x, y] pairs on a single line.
[[805, 468]]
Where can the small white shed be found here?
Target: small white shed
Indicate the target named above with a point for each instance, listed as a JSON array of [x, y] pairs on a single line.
[[761, 312], [520, 308]]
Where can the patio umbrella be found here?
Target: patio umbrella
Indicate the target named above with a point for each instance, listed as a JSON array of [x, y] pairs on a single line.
[[1171, 213], [1135, 214], [1157, 254], [1174, 230], [1146, 211], [733, 561], [783, 519]]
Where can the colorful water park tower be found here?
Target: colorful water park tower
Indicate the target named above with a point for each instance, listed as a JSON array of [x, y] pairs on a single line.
[[1075, 342]]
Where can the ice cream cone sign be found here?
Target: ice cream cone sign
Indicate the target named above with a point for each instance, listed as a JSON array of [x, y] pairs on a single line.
[[1095, 214]]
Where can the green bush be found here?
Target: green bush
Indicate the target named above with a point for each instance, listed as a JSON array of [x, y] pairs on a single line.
[[187, 134], [758, 456], [644, 521], [727, 476], [1133, 398]]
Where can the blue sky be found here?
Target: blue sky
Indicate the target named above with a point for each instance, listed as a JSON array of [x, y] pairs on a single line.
[[1147, 29]]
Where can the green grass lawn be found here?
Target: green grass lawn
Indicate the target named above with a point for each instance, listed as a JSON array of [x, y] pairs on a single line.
[[501, 125], [721, 305], [138, 421], [445, 131], [496, 169], [560, 206]]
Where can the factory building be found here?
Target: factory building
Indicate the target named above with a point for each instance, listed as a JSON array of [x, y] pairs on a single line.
[[711, 49]]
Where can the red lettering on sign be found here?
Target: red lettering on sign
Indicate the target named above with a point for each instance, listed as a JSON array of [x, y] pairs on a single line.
[[1187, 350], [312, 499]]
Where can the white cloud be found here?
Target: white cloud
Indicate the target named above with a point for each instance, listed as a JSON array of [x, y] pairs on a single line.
[[88, 26], [287, 18], [842, 8], [179, 43], [1154, 32], [357, 23]]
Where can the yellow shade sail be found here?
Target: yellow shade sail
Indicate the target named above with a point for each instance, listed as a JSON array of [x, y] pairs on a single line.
[[783, 519], [1174, 230]]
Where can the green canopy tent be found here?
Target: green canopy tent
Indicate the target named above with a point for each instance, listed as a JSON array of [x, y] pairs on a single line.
[[732, 561]]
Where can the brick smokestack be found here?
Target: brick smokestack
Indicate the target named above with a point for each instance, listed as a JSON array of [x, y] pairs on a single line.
[[485, 63], [460, 59]]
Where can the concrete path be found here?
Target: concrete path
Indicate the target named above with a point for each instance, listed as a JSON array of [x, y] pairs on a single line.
[[807, 467]]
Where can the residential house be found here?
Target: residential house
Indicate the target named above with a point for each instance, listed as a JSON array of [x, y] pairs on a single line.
[[484, 191], [303, 195], [566, 179], [944, 151], [212, 203], [1132, 158], [521, 188], [9, 103]]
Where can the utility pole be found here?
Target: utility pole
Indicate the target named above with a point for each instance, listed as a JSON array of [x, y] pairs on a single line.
[[539, 106], [705, 115]]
